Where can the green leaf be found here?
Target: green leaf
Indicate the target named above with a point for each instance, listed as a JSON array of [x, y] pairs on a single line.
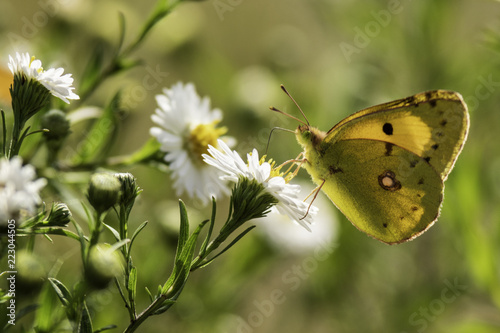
[[27, 310], [132, 283], [115, 233], [99, 139], [166, 305], [136, 233], [183, 237], [151, 298], [184, 228], [210, 229], [149, 152], [120, 290], [32, 221], [105, 328], [85, 325], [234, 241], [121, 21], [4, 133], [92, 71], [182, 265], [62, 292], [51, 231], [50, 312]]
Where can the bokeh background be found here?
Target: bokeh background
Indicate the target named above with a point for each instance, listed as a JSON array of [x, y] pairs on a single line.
[[335, 57]]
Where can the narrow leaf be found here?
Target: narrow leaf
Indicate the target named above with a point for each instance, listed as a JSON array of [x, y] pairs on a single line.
[[182, 265], [105, 328], [4, 133], [166, 305], [85, 325], [136, 232], [99, 139], [115, 233], [132, 282], [83, 244], [184, 228], [210, 229], [234, 241], [62, 292], [51, 231]]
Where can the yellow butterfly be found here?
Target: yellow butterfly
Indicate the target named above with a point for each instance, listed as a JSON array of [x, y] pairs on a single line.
[[384, 167]]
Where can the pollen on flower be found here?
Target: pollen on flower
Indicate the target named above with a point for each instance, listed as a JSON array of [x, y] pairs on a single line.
[[39, 69], [202, 136]]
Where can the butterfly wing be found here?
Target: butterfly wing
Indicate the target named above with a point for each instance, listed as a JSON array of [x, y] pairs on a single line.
[[384, 166], [380, 188], [433, 125]]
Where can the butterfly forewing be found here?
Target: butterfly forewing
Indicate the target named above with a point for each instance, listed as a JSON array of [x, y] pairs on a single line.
[[432, 125]]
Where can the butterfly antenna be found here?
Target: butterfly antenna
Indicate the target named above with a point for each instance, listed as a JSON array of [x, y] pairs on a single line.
[[296, 104], [270, 133], [272, 108]]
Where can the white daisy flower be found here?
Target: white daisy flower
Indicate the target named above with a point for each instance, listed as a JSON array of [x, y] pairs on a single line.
[[53, 79], [186, 127], [232, 165], [290, 238], [18, 189]]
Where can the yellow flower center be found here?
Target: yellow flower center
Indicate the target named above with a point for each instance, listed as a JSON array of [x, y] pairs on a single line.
[[202, 136]]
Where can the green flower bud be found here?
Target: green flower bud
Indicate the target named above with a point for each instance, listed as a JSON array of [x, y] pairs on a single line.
[[57, 124], [59, 215], [103, 191], [30, 272], [104, 264], [129, 189]]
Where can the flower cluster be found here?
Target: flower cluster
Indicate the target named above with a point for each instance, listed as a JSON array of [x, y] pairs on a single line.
[[18, 189]]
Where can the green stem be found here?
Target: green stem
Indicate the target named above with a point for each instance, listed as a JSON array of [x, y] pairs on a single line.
[[94, 237], [145, 314]]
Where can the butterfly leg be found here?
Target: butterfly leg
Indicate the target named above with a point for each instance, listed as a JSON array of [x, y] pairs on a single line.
[[315, 191]]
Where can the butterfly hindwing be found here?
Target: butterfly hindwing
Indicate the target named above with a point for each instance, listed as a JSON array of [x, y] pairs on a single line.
[[375, 185]]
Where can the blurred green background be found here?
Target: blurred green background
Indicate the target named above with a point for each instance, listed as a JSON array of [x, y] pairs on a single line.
[[335, 57]]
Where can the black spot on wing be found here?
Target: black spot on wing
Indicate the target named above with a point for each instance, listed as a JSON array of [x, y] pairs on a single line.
[[443, 122], [435, 146], [420, 182], [388, 148], [387, 128], [427, 159]]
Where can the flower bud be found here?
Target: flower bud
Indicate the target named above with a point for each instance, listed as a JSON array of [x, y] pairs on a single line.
[[59, 215], [103, 191], [129, 189], [104, 264], [30, 272], [57, 124]]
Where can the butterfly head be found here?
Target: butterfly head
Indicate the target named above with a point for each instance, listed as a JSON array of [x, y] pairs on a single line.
[[309, 137]]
